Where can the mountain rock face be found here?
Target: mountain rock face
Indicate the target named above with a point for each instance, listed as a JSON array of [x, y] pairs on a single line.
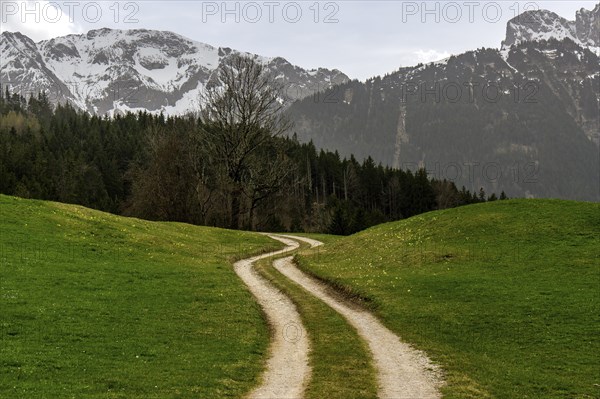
[[545, 25], [107, 71], [524, 119]]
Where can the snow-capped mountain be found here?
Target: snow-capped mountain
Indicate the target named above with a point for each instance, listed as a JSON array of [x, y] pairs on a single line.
[[544, 25], [107, 70]]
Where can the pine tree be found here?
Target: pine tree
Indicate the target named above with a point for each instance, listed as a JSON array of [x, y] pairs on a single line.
[[481, 195]]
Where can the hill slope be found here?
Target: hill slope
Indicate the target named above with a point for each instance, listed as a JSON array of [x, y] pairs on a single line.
[[503, 295], [95, 305]]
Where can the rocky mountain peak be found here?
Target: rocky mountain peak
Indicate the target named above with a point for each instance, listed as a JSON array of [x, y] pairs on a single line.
[[545, 25]]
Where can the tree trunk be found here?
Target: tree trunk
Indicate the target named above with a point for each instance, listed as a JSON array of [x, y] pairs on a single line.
[[235, 208]]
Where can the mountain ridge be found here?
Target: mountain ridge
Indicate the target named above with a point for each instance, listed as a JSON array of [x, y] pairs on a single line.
[[107, 70]]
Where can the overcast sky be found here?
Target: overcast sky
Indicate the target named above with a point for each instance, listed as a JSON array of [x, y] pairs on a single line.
[[361, 38]]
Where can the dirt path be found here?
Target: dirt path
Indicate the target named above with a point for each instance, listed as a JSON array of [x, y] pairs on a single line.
[[287, 372], [403, 372]]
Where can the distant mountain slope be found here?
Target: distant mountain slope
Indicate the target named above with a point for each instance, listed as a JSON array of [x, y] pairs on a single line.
[[107, 70], [524, 119]]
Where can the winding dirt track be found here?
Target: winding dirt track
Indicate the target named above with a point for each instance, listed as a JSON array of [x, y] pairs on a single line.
[[403, 372], [287, 372]]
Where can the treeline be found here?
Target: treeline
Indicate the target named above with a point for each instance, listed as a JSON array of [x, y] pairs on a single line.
[[164, 168]]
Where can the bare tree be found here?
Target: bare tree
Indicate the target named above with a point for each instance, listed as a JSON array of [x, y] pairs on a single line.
[[268, 177], [241, 115]]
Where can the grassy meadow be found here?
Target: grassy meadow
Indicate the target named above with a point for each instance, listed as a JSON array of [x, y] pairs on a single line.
[[505, 296], [99, 306]]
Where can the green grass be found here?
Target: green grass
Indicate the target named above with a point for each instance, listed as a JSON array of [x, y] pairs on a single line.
[[505, 296], [340, 359], [95, 305]]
